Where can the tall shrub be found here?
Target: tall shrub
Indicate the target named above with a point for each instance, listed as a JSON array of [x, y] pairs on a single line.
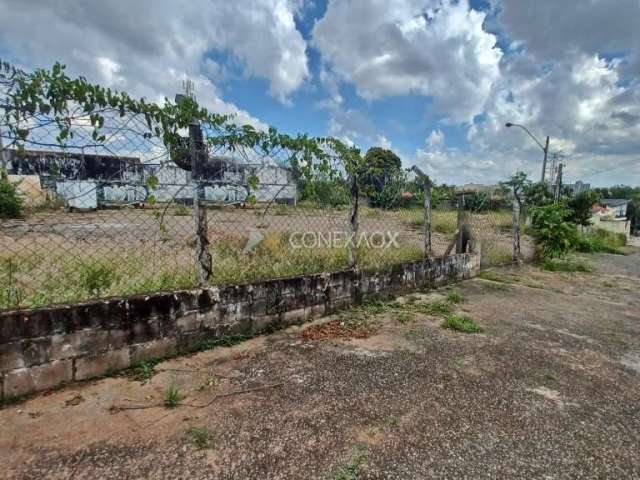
[[553, 233]]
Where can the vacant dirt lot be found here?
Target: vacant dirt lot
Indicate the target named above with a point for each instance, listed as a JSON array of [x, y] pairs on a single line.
[[550, 389], [61, 257]]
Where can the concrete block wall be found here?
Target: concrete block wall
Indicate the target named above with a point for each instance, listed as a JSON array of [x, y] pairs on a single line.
[[46, 347]]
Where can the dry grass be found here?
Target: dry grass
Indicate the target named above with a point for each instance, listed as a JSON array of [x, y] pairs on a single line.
[[58, 257]]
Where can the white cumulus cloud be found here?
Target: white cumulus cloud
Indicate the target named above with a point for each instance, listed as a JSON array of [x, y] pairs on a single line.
[[148, 47], [425, 47]]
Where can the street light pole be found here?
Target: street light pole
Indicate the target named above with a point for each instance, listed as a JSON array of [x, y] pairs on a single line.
[[545, 147], [544, 161]]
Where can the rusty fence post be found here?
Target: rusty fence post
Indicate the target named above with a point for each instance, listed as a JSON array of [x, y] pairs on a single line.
[[353, 223], [426, 185], [517, 256], [428, 251], [198, 155]]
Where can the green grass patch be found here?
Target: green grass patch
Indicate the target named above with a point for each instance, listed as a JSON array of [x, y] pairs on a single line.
[[442, 221], [404, 317], [455, 297], [144, 370], [565, 265], [601, 241], [497, 255], [498, 287], [172, 396], [435, 308], [461, 323], [201, 437]]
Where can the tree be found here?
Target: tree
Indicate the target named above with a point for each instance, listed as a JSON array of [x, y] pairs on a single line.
[[442, 193], [527, 192], [517, 184], [580, 207], [538, 194], [380, 177]]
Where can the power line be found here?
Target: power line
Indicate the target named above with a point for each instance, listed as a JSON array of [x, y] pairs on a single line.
[[620, 165]]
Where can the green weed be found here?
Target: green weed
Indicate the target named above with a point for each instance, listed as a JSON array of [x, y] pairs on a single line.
[[224, 341], [145, 370], [404, 317], [461, 323], [351, 469], [601, 241], [435, 308], [172, 396], [392, 422], [554, 265], [201, 437], [455, 297], [97, 277]]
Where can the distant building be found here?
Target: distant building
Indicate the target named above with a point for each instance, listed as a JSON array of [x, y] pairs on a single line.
[[617, 206], [480, 188], [611, 214], [578, 187], [86, 181]]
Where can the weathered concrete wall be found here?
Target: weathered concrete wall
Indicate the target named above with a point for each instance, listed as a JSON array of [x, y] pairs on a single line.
[[615, 225], [46, 347]]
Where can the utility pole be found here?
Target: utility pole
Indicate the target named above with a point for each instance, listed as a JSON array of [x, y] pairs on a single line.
[[544, 161]]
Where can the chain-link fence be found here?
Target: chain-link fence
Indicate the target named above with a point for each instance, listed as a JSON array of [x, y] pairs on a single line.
[[490, 218], [120, 213]]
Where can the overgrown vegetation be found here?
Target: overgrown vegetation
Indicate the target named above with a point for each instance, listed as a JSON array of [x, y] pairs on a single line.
[[601, 241], [97, 277], [565, 265], [553, 233], [201, 437], [461, 323], [434, 308], [555, 221], [11, 204]]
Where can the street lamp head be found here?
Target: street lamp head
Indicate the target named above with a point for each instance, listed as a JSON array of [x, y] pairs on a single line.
[[508, 124]]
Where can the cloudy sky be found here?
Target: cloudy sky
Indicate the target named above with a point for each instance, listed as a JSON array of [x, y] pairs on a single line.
[[435, 80]]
